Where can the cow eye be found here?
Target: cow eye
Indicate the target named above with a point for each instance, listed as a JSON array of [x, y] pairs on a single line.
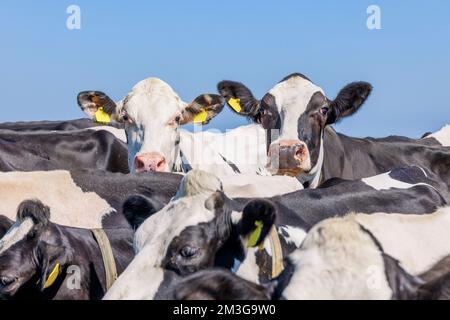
[[324, 110], [188, 251]]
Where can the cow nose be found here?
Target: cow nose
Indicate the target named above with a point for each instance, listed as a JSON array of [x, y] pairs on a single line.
[[152, 161], [287, 156]]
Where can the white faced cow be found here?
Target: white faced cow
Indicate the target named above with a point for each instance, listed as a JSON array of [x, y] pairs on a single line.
[[152, 113], [302, 144]]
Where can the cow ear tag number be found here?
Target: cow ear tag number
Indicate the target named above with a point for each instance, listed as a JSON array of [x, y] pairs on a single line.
[[235, 104], [201, 116], [254, 236], [102, 116], [51, 277]]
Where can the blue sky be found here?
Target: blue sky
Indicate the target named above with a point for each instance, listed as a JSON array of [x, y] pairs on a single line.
[[194, 44]]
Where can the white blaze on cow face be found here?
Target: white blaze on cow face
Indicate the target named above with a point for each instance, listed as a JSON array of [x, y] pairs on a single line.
[[16, 233], [148, 111]]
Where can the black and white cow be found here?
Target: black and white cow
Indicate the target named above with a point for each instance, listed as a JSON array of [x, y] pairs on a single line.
[[201, 227], [52, 150], [85, 198], [152, 113], [43, 260], [301, 143], [360, 256]]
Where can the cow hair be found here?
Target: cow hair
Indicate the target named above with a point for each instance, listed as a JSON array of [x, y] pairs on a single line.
[[196, 182]]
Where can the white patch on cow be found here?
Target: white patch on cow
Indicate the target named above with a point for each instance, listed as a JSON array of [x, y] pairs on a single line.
[[249, 269], [17, 232], [292, 97], [251, 185], [68, 204], [118, 133], [295, 235], [442, 136], [385, 182], [139, 281], [333, 263], [417, 241], [313, 176], [236, 216]]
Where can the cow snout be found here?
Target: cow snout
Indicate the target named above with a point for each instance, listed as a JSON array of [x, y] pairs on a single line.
[[150, 162], [288, 157]]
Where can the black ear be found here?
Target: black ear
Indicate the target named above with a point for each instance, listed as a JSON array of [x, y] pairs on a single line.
[[202, 109], [137, 208], [258, 217], [239, 98], [404, 286], [97, 105], [349, 100], [37, 211]]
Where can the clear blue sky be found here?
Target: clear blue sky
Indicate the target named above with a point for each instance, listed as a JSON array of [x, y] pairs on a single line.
[[194, 44]]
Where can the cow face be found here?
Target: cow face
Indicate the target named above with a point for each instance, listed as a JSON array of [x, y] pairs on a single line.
[[299, 111], [24, 257], [151, 114]]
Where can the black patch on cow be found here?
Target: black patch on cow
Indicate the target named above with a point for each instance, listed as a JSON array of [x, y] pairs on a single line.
[[231, 164], [295, 74], [409, 174], [137, 208]]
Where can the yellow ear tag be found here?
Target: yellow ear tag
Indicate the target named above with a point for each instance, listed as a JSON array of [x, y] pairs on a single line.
[[51, 277], [102, 116], [235, 104], [201, 116], [254, 236]]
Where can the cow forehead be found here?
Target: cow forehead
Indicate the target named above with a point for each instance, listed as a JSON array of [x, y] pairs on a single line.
[[16, 233], [150, 99], [158, 231], [293, 95]]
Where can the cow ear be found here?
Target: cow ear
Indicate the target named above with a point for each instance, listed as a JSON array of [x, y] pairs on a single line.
[[239, 98], [404, 286], [349, 100], [257, 219], [97, 105], [37, 211], [137, 208], [202, 109], [47, 256]]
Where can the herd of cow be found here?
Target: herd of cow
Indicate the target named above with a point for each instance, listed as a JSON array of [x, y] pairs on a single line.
[[126, 205]]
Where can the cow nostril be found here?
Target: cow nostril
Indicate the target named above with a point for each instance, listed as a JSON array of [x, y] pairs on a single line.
[[139, 164], [300, 150], [161, 164]]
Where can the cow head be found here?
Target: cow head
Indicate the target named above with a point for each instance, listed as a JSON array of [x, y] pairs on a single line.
[[27, 255], [190, 232], [298, 111], [151, 114]]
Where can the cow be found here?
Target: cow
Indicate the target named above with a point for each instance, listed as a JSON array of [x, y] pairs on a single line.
[[64, 125], [201, 227], [85, 198], [301, 142], [152, 113], [360, 256], [53, 150], [43, 260]]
